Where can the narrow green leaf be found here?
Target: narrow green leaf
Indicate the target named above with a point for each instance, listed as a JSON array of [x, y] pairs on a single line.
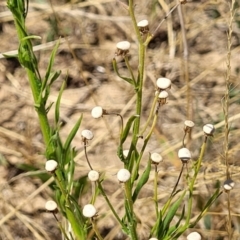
[[129, 80], [76, 225], [72, 134], [169, 216], [57, 113], [209, 203], [142, 181], [53, 77], [10, 56], [49, 76], [127, 128], [174, 228], [51, 61]]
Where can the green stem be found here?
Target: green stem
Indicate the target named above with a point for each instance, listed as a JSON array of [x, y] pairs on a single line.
[[141, 53], [150, 114], [96, 230], [156, 190], [136, 166], [110, 205], [26, 49], [193, 180], [130, 214]]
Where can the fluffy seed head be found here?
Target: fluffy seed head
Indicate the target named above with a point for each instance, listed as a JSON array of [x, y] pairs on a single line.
[[51, 165], [123, 175], [228, 184], [163, 83], [184, 154], [89, 211], [153, 239], [97, 112], [51, 206], [208, 129], [87, 134], [156, 158], [93, 175], [194, 236]]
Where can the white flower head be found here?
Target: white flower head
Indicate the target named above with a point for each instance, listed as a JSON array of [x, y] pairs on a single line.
[[184, 154], [189, 124], [51, 206], [194, 236], [153, 239], [87, 134], [208, 129], [163, 95], [164, 83], [122, 48], [143, 26], [156, 158], [97, 112], [51, 165], [228, 184], [89, 211], [123, 175], [93, 175]]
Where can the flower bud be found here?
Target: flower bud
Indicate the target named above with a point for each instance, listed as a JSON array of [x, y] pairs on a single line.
[[163, 83], [228, 184], [184, 154], [123, 175], [194, 236], [97, 112], [93, 175], [122, 48], [51, 165], [156, 158], [89, 211], [143, 26], [208, 129], [51, 206], [163, 95], [87, 135], [189, 124]]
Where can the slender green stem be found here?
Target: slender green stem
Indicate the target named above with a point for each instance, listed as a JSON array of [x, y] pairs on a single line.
[[130, 69], [136, 166], [156, 190], [96, 230], [150, 114], [100, 187], [130, 214], [141, 54], [193, 180], [28, 60]]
